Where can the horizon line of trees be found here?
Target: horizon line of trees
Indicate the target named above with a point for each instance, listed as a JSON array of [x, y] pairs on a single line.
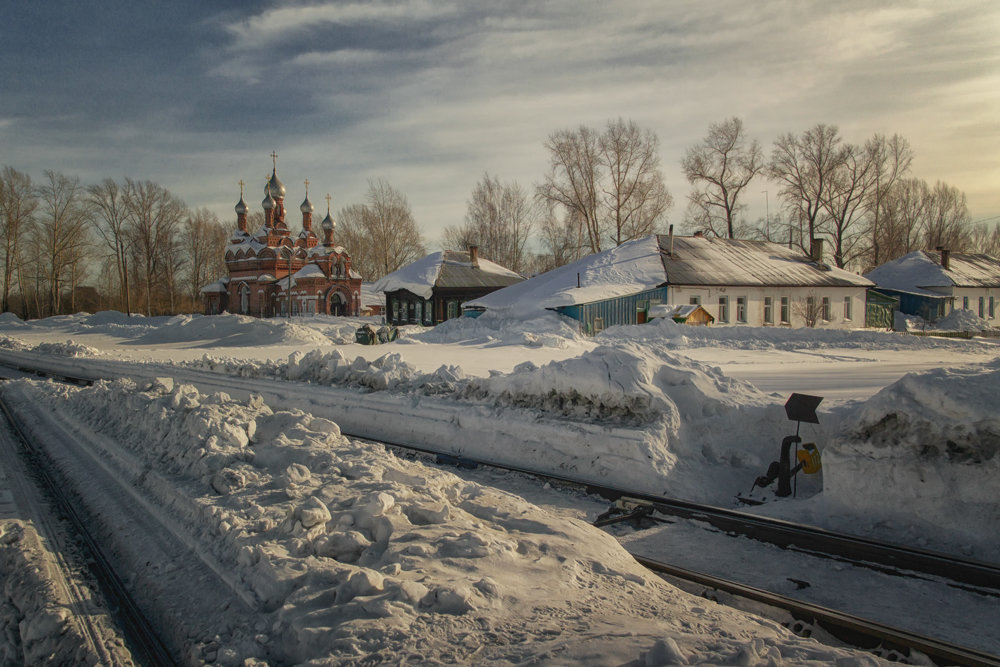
[[145, 251]]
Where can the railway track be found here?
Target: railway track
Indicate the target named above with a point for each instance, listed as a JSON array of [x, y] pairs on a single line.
[[143, 640], [971, 575]]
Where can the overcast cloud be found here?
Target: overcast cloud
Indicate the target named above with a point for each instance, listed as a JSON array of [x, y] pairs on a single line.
[[430, 94]]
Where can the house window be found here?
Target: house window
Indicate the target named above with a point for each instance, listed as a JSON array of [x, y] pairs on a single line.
[[784, 310], [826, 309], [848, 305], [420, 311], [695, 301], [991, 309], [768, 310], [965, 303], [741, 309], [723, 308], [982, 306]]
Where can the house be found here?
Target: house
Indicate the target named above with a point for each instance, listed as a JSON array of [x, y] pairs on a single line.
[[930, 284], [689, 314], [752, 283], [273, 273], [372, 301], [434, 288]]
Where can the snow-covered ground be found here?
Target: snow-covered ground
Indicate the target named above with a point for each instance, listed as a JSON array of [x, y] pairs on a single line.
[[342, 544]]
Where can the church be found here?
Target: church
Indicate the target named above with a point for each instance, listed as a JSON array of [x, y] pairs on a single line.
[[272, 273]]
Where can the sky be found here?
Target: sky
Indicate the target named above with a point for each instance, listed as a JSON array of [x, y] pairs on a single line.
[[430, 95]]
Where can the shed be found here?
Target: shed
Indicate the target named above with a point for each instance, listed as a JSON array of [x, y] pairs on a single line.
[[689, 314]]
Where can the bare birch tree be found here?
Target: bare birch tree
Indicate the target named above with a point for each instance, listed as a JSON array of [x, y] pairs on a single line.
[[380, 235], [634, 196], [17, 208], [720, 168], [155, 216], [60, 232], [110, 220], [499, 219], [947, 220], [205, 238], [892, 158], [805, 167], [610, 183]]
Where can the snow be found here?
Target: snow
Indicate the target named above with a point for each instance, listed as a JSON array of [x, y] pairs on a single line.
[[348, 549], [626, 269], [419, 277]]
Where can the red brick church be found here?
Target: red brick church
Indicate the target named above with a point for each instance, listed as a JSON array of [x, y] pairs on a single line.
[[271, 271]]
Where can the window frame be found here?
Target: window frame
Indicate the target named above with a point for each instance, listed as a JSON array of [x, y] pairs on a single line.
[[724, 309], [768, 310]]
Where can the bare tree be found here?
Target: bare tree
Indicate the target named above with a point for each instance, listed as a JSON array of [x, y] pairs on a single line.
[[499, 220], [155, 216], [720, 167], [804, 167], [17, 208], [110, 219], [986, 239], [557, 240], [846, 199], [381, 234], [60, 232], [892, 158], [634, 195], [901, 219], [947, 221], [610, 182], [205, 239], [572, 181]]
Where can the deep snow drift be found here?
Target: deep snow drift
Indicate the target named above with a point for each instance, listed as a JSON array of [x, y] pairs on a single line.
[[355, 555]]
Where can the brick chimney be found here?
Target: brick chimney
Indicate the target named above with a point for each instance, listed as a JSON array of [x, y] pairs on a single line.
[[945, 258], [474, 256], [816, 250]]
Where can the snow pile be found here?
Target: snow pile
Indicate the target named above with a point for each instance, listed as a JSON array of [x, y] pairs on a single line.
[[622, 383], [353, 555], [681, 336], [926, 448], [231, 331], [10, 320], [961, 319], [14, 344], [492, 329], [35, 626], [67, 349]]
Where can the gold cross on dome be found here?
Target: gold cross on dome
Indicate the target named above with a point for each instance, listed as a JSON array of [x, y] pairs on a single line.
[[307, 187], [274, 159], [328, 198], [241, 188]]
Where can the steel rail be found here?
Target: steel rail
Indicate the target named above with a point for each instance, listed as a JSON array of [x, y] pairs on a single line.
[[142, 637], [846, 627]]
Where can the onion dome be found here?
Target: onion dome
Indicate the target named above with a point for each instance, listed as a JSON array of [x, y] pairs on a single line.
[[307, 206], [268, 202], [328, 222], [241, 207], [276, 186]]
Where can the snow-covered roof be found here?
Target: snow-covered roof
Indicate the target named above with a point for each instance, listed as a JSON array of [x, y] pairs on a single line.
[[216, 287], [310, 270], [648, 262], [921, 270], [370, 296], [671, 311], [447, 268]]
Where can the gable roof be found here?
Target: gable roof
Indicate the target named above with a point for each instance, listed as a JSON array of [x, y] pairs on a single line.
[[647, 263], [921, 270], [446, 269], [698, 260]]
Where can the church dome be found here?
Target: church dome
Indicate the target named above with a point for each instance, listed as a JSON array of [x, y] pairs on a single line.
[[328, 222], [268, 202], [276, 186], [241, 207], [307, 206]]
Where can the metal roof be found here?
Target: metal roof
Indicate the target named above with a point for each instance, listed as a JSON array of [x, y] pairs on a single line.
[[921, 270], [457, 272], [697, 260]]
